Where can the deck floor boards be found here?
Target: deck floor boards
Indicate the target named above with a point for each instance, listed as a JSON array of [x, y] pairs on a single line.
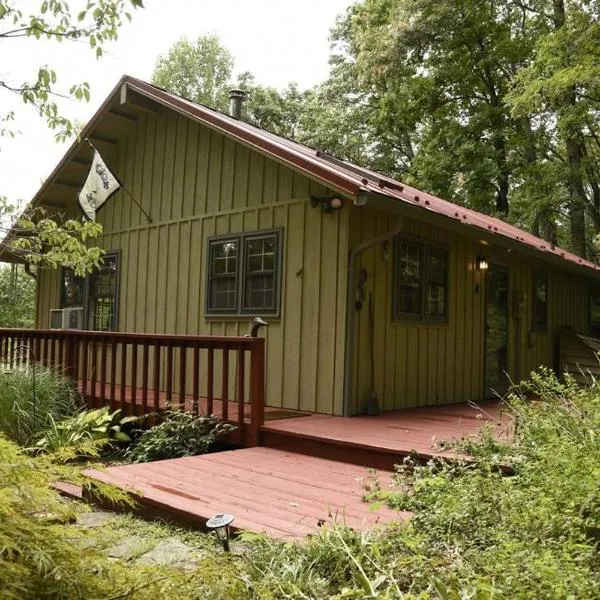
[[268, 490], [399, 432]]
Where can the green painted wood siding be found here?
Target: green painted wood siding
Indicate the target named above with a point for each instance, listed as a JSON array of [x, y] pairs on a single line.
[[420, 364], [196, 183]]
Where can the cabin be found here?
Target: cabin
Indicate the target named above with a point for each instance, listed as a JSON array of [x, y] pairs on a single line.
[[378, 296]]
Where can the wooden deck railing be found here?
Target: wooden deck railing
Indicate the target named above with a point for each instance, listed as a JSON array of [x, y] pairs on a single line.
[[143, 373]]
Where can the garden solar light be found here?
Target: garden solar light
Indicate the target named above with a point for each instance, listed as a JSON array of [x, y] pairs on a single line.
[[220, 525]]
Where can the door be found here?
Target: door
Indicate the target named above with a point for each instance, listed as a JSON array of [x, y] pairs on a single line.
[[496, 332]]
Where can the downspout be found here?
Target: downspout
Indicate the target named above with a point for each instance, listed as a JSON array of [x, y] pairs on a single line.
[[350, 314]]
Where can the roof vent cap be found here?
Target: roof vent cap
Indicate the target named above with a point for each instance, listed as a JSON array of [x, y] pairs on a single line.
[[236, 100]]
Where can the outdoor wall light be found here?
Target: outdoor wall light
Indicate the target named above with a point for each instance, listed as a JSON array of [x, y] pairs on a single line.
[[482, 263], [220, 525], [329, 203]]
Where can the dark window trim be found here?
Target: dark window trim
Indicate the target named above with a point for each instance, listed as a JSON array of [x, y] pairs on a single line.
[[238, 310], [86, 291], [427, 248], [539, 275], [592, 289]]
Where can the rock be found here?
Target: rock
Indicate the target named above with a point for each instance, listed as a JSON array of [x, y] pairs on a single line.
[[171, 553], [94, 518], [129, 548]]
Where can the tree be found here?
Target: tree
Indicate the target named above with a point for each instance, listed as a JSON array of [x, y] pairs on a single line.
[[490, 104], [17, 297], [200, 72], [39, 239]]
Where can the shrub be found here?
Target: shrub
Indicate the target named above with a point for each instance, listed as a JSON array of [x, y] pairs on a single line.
[[86, 433], [31, 399], [179, 434]]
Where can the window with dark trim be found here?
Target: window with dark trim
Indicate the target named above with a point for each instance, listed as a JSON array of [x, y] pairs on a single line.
[[243, 274], [540, 302], [594, 310], [103, 290], [97, 294], [72, 289], [420, 281]]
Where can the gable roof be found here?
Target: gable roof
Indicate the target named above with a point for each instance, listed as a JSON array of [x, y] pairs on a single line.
[[352, 180]]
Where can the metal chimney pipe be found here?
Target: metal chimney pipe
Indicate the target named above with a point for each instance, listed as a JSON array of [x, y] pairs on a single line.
[[236, 99]]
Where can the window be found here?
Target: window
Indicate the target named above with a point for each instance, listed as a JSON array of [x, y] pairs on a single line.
[[97, 294], [243, 274], [594, 310], [540, 302], [421, 281], [103, 295], [72, 289]]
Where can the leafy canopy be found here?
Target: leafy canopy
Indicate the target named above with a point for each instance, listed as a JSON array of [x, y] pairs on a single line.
[[37, 237]]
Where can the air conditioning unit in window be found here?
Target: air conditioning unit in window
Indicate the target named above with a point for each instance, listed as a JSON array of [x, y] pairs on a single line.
[[66, 318]]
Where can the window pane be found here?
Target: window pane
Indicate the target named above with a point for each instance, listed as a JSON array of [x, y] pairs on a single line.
[[260, 275], [409, 279], [72, 289], [223, 294], [259, 292], [540, 303], [437, 272], [224, 257], [103, 299], [260, 254]]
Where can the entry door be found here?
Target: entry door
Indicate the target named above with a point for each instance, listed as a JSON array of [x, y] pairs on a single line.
[[496, 332]]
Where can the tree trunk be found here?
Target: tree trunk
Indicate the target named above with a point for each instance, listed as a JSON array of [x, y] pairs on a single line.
[[574, 150]]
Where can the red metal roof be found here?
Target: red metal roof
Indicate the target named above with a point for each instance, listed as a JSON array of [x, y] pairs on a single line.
[[351, 178]]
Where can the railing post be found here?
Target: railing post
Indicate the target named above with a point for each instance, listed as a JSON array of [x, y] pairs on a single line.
[[257, 391]]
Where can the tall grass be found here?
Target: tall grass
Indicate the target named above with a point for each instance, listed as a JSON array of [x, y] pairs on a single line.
[[31, 399]]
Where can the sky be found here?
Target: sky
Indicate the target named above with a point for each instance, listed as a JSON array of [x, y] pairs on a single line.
[[277, 40]]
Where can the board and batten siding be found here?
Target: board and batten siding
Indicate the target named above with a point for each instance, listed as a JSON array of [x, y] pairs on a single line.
[[196, 183], [421, 364]]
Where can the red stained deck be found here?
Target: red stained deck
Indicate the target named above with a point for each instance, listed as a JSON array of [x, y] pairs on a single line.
[[280, 493], [313, 469], [383, 440]]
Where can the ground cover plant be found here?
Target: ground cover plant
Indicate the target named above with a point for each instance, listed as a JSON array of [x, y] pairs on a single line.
[[178, 434], [519, 521], [31, 399]]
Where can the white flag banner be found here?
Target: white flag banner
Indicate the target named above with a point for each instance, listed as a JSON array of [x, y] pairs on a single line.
[[99, 186]]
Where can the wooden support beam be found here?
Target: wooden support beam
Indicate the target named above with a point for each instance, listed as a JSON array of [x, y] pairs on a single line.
[[68, 183], [122, 116], [134, 100], [103, 139]]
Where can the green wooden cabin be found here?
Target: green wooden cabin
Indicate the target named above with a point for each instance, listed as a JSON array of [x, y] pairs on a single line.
[[246, 223]]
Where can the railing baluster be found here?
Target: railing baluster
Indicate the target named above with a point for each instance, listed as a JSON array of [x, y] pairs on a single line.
[[122, 391], [225, 385], [93, 373], [52, 344], [145, 379], [134, 410], [210, 374], [169, 375], [113, 373], [85, 369], [241, 376], [156, 377], [103, 372], [196, 379], [182, 369]]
